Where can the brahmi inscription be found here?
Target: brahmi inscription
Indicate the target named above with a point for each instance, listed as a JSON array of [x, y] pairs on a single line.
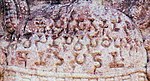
[[79, 41]]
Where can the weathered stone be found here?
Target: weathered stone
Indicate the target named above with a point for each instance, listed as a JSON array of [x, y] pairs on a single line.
[[79, 41]]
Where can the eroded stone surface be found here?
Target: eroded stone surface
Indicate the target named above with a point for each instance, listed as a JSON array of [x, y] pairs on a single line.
[[84, 41], [138, 11]]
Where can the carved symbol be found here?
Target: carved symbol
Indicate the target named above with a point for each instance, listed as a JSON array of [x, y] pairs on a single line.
[[106, 42], [78, 46], [39, 22], [103, 24], [129, 26], [68, 40], [117, 43], [80, 58], [41, 62], [93, 32], [27, 44], [97, 59], [114, 64], [61, 60], [93, 42], [116, 29], [21, 57]]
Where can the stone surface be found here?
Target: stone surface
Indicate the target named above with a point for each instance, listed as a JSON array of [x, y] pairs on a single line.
[[81, 41], [139, 12]]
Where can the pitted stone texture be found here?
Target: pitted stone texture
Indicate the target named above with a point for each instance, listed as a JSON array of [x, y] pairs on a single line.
[[83, 41], [139, 12]]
